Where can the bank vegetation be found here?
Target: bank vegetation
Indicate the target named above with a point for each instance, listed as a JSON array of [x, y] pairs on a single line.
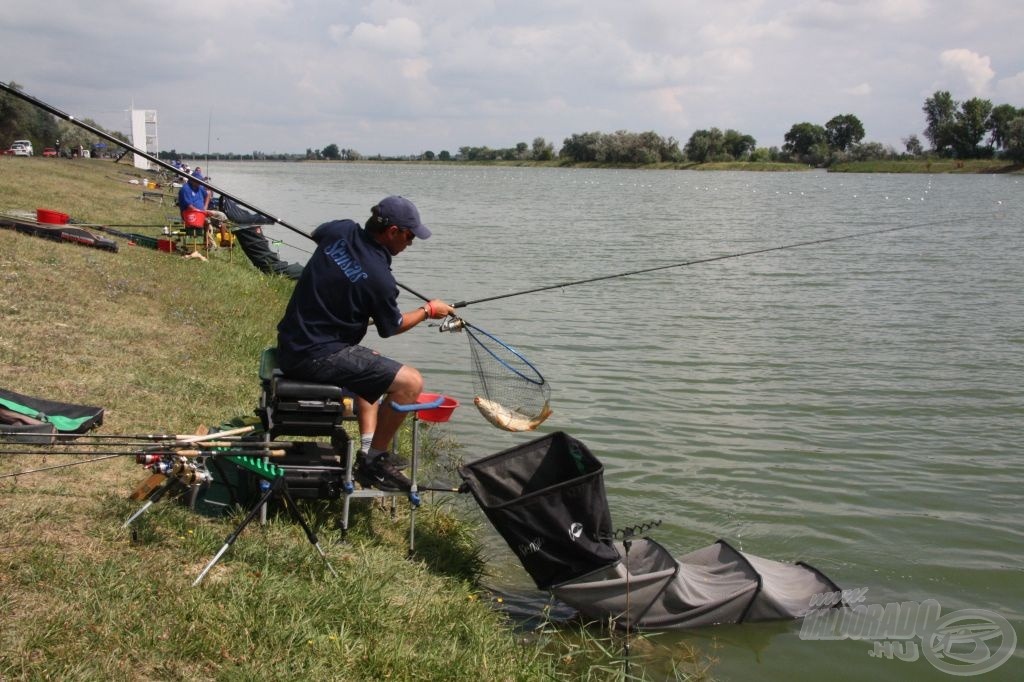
[[166, 345]]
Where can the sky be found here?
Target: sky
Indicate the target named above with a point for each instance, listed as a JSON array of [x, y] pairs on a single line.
[[401, 78]]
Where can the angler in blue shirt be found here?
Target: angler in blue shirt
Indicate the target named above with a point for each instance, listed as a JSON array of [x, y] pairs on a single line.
[[195, 197], [346, 283], [192, 195]]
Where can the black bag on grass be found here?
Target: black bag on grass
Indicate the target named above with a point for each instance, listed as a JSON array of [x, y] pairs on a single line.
[[22, 414]]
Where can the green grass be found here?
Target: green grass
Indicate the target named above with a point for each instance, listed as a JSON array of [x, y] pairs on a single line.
[[928, 166], [167, 345], [759, 166]]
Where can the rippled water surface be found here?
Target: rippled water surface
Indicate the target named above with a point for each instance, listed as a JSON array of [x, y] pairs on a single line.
[[855, 404]]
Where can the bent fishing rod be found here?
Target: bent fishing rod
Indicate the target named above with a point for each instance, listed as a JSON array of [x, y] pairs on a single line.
[[697, 261], [163, 164], [149, 157]]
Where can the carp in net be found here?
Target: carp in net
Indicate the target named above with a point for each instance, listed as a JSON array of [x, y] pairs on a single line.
[[510, 391]]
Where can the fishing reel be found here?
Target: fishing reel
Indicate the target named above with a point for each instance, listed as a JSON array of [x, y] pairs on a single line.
[[188, 471], [452, 323]]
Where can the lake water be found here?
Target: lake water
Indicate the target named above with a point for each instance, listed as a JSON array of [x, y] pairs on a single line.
[[854, 404]]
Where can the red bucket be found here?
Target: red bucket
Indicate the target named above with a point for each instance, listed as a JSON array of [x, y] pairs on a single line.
[[194, 218], [442, 412], [45, 215]]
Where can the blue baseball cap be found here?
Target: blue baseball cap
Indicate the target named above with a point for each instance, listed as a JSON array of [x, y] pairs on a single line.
[[400, 211]]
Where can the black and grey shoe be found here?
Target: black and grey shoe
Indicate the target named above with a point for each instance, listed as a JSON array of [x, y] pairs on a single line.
[[385, 475], [362, 470]]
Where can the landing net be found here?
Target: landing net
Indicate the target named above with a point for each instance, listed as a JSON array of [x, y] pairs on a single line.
[[510, 392]]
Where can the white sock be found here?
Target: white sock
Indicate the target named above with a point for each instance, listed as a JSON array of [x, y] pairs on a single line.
[[364, 441]]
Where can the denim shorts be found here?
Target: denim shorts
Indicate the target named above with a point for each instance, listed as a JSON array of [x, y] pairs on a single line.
[[361, 370]]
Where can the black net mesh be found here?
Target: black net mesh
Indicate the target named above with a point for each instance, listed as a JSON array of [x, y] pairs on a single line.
[[510, 392]]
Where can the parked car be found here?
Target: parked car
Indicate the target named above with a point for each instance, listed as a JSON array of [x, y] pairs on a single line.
[[22, 148], [49, 151]]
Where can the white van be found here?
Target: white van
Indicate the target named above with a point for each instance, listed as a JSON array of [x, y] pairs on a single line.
[[22, 148]]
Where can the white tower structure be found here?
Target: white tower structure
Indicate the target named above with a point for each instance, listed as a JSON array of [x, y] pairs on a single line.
[[144, 135]]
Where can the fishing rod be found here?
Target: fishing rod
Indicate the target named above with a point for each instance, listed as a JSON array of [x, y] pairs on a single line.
[[166, 459], [698, 261], [171, 452], [89, 448], [87, 441], [74, 222], [149, 437], [149, 157], [152, 159], [58, 466]]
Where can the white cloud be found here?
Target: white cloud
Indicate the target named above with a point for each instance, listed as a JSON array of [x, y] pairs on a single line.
[[1011, 90], [897, 11], [395, 36], [339, 33], [844, 15], [727, 61], [390, 76], [974, 69], [861, 90], [669, 100], [740, 33]]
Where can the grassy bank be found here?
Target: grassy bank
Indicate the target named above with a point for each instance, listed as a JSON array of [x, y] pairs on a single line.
[[928, 166], [166, 344]]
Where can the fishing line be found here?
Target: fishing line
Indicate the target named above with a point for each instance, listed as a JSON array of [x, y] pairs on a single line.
[[209, 128], [281, 242], [57, 466], [698, 261]]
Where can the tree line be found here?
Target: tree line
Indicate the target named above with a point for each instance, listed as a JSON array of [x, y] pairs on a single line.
[[20, 120], [974, 128], [958, 129], [954, 129]]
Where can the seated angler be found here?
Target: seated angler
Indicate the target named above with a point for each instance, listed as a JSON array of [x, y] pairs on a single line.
[[346, 283]]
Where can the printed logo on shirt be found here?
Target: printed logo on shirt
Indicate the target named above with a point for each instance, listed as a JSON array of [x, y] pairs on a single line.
[[339, 253]]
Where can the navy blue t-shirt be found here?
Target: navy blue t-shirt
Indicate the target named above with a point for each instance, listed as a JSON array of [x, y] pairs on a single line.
[[346, 282]]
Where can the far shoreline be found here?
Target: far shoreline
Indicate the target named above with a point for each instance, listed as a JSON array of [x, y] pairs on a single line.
[[921, 166]]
